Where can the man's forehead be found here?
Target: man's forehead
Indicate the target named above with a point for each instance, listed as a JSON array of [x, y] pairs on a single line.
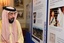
[[13, 12]]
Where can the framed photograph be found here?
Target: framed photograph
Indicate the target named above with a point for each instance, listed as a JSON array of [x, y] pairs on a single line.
[[52, 38], [20, 14], [18, 3], [37, 33]]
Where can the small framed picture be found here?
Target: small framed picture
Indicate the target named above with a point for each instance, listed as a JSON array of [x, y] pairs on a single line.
[[18, 3], [20, 14], [52, 38]]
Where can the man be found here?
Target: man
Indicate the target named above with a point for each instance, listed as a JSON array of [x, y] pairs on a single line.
[[10, 29]]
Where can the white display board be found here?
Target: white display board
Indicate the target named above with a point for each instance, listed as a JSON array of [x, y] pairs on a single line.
[[39, 20], [56, 21]]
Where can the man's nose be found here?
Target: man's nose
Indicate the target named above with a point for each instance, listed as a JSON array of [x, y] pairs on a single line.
[[13, 15]]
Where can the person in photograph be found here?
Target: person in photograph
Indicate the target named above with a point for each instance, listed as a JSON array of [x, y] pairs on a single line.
[[52, 18], [61, 17], [20, 2], [34, 17], [11, 31], [16, 3], [20, 15]]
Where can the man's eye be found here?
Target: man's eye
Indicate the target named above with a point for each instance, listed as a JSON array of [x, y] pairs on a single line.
[[11, 13]]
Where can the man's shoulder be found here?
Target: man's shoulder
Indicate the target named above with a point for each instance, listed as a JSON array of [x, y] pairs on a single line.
[[17, 21], [18, 24]]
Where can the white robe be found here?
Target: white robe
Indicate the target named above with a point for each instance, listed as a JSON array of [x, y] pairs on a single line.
[[20, 36], [53, 21], [61, 20]]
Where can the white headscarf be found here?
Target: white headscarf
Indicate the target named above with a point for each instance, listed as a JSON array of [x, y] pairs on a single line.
[[5, 27]]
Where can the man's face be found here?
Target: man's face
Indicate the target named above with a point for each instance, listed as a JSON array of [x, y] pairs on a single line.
[[11, 16]]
